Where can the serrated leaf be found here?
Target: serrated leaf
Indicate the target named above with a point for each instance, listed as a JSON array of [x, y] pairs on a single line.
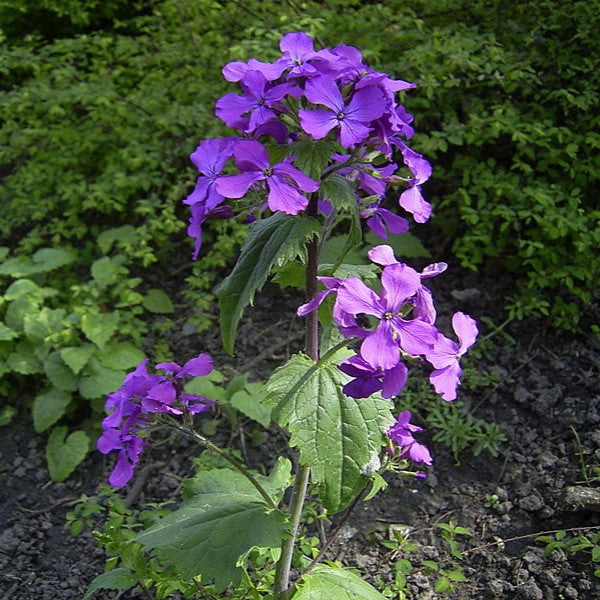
[[6, 333], [215, 527], [26, 287], [313, 156], [24, 361], [332, 583], [97, 380], [339, 437], [65, 453], [49, 407], [17, 266], [76, 357], [156, 301], [120, 356], [100, 327], [45, 323], [249, 402], [59, 374], [271, 243], [120, 578], [104, 271], [126, 233]]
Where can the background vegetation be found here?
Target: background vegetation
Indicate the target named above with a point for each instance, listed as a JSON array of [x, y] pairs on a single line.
[[102, 101]]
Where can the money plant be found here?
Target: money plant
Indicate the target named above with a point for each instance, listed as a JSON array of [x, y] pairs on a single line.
[[320, 146]]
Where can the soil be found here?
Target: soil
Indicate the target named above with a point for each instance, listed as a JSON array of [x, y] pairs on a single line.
[[548, 389]]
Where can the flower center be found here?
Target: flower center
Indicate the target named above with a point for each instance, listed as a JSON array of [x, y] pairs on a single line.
[[388, 316], [340, 116], [268, 172]]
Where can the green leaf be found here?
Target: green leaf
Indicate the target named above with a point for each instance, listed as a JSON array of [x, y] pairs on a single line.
[[333, 583], [378, 484], [126, 233], [7, 414], [49, 407], [120, 356], [48, 259], [64, 454], [17, 266], [339, 437], [120, 578], [99, 328], [97, 380], [76, 357], [270, 243], [6, 333], [59, 374], [105, 271], [312, 156], [18, 309], [208, 386], [26, 287], [214, 528], [405, 245], [46, 322], [249, 402], [23, 360], [156, 301]]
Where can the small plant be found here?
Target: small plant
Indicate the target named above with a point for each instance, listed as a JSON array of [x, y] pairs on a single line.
[[571, 544]]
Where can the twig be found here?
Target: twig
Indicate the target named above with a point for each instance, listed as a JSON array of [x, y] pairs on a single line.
[[47, 508], [140, 481]]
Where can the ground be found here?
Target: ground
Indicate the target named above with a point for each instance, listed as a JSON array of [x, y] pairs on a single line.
[[546, 391]]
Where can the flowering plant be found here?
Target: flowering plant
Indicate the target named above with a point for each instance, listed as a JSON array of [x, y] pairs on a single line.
[[320, 144]]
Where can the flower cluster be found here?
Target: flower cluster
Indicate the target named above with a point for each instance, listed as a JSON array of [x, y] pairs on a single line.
[[402, 319], [401, 433], [133, 404], [309, 94]]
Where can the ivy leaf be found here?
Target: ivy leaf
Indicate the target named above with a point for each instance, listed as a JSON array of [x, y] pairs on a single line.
[[49, 407], [334, 583], [339, 437], [64, 454], [120, 578], [156, 301], [99, 328], [271, 243], [215, 527]]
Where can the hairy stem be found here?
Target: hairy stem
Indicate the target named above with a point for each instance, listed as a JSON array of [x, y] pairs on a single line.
[[282, 571]]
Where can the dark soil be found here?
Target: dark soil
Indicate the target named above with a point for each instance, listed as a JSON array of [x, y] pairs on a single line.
[[548, 387]]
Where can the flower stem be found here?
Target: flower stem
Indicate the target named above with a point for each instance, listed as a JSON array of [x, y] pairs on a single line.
[[282, 571]]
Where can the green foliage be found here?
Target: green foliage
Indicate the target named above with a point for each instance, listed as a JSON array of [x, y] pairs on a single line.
[[339, 438], [574, 544], [271, 243], [218, 524], [65, 453], [327, 582]]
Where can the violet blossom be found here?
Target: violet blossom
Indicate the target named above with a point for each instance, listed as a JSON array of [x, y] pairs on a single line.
[[368, 380], [401, 433]]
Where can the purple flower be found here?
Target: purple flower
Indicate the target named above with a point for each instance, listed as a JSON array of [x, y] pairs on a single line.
[[368, 380], [281, 180], [366, 105], [445, 356], [259, 102], [379, 220], [401, 433]]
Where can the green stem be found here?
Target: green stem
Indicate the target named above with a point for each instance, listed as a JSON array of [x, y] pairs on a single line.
[[231, 460], [282, 571]]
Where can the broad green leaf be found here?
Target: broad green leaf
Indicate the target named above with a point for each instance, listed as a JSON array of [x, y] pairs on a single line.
[[312, 156], [97, 380], [46, 322], [17, 266], [405, 245], [6, 333], [49, 407], [3, 252], [215, 527], [156, 301], [126, 233], [17, 310], [48, 259], [105, 271], [333, 583], [339, 437], [120, 578], [24, 361], [76, 357], [333, 248], [99, 328], [65, 453], [59, 374], [120, 356], [208, 386], [249, 402], [270, 243], [26, 287], [293, 274]]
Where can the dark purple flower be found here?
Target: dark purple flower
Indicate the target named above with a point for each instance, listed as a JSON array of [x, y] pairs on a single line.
[[281, 180], [368, 380], [353, 119], [445, 356], [401, 433], [379, 220]]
